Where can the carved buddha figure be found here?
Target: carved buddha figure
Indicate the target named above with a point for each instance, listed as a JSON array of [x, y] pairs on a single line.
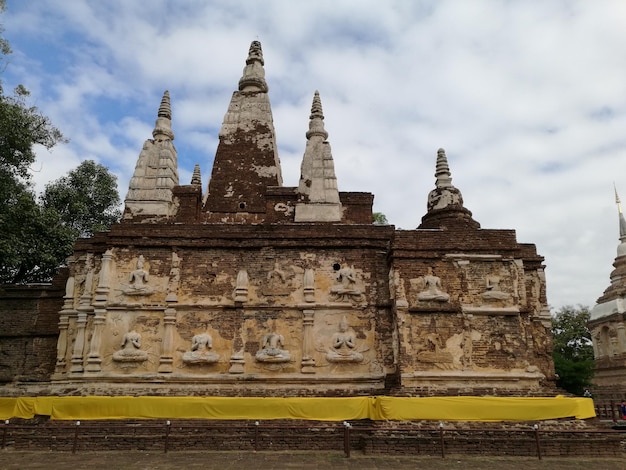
[[432, 289], [343, 345], [201, 353], [346, 288], [272, 352], [493, 291], [276, 283], [131, 349], [138, 280]]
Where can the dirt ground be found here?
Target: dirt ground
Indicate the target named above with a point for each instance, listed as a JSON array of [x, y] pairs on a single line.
[[132, 460]]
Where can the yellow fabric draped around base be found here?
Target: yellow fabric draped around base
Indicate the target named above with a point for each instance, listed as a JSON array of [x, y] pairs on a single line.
[[324, 409]]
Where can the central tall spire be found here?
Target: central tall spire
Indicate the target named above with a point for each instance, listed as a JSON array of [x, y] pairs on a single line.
[[246, 162], [253, 78]]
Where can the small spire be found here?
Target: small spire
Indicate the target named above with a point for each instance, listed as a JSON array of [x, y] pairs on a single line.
[[255, 53], [165, 110], [442, 170], [195, 178], [622, 221], [163, 124], [253, 78], [316, 123], [445, 203], [318, 195]]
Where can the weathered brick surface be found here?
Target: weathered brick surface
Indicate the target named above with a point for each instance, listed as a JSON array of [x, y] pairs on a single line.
[[29, 331], [404, 348]]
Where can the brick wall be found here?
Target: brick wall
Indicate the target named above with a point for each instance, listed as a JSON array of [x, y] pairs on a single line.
[[28, 330], [419, 438]]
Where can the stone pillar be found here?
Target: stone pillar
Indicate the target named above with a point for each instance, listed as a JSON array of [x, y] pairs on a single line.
[[84, 308], [236, 364], [166, 360], [237, 360], [64, 321], [79, 343], [613, 346], [241, 287], [308, 362], [621, 338], [309, 285], [94, 360]]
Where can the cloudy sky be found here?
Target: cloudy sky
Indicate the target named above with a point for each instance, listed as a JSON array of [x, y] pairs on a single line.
[[527, 97]]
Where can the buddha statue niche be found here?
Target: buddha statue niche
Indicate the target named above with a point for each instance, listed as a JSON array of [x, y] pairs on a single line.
[[272, 352], [131, 349], [343, 345], [201, 350]]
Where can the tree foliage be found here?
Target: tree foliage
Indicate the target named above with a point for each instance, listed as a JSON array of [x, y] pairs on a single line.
[[573, 350], [86, 199], [379, 218], [36, 238], [33, 244]]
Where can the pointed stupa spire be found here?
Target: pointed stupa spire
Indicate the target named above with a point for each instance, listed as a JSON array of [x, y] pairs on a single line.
[[442, 171], [317, 191], [614, 298], [445, 202], [316, 123], [622, 221], [253, 78], [163, 125], [445, 195], [196, 180], [246, 162], [149, 194]]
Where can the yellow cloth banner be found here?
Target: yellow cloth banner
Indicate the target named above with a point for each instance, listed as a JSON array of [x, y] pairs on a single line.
[[322, 409]]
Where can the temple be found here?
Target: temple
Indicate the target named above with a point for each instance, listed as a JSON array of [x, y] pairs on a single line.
[[607, 325], [245, 287]]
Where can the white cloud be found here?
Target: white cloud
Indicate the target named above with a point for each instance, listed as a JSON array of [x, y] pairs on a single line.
[[527, 98]]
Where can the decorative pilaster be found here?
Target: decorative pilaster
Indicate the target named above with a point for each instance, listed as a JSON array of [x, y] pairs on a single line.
[[64, 322], [309, 285], [308, 362], [84, 308], [166, 361], [79, 344], [237, 360], [241, 287], [94, 360]]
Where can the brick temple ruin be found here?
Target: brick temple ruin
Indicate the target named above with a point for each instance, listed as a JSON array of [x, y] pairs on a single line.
[[245, 287]]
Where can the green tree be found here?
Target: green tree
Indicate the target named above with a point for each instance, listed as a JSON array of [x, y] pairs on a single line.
[[31, 240], [86, 199], [33, 243], [573, 350], [379, 218]]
